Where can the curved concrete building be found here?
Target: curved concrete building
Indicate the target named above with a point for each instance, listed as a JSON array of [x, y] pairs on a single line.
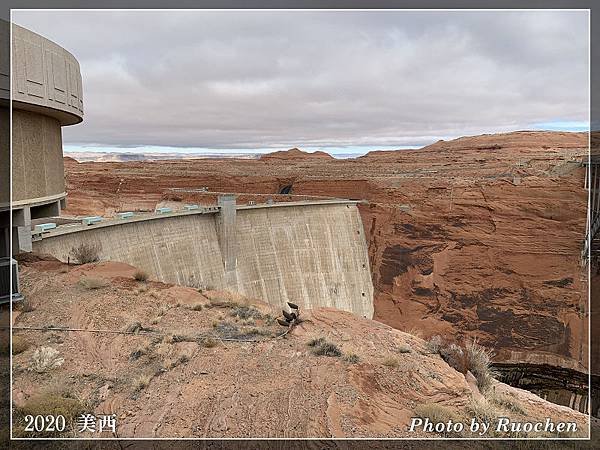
[[46, 95]]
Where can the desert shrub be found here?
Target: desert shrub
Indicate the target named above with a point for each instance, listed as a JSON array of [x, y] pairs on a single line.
[[478, 360], [454, 356], [321, 347], [404, 349], [92, 283], [195, 307], [269, 319], [391, 362], [48, 404], [483, 410], [352, 358], [45, 359], [227, 330], [470, 357], [434, 344], [182, 338], [438, 413], [316, 342], [86, 253], [141, 382], [246, 312], [133, 327], [19, 344], [140, 275], [208, 342], [138, 353], [506, 402], [141, 290]]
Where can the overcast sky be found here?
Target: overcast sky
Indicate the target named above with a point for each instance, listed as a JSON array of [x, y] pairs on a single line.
[[271, 80]]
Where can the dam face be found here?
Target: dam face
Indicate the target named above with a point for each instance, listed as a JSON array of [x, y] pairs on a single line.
[[310, 253]]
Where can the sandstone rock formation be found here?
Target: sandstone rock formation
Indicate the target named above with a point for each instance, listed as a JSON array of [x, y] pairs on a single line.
[[477, 237], [295, 153], [166, 381]]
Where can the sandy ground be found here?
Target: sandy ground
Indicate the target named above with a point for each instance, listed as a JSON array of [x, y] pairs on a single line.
[[275, 387]]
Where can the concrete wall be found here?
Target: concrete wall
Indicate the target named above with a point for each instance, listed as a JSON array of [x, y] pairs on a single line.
[[37, 168], [313, 255], [46, 77]]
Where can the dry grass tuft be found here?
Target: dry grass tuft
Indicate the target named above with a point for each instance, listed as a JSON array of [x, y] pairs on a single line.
[[479, 362], [48, 404], [92, 282], [140, 275], [140, 383], [434, 344], [391, 362], [483, 411], [45, 359], [438, 413], [506, 402], [321, 347], [316, 342], [352, 358], [86, 253], [195, 307], [470, 357], [134, 327], [246, 313], [208, 342]]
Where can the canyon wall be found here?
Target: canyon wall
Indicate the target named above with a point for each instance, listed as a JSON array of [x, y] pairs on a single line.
[[312, 254], [479, 237]]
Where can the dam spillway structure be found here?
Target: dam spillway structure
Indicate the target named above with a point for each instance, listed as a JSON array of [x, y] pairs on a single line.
[[46, 95], [313, 253]]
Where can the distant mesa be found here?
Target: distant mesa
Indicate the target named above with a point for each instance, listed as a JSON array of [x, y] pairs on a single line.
[[69, 160], [373, 154], [296, 153]]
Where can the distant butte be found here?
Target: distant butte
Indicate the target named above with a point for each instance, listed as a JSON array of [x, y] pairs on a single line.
[[296, 153]]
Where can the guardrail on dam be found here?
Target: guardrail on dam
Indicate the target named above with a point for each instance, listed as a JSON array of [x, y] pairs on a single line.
[[311, 253]]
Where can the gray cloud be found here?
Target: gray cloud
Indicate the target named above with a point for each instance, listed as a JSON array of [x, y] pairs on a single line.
[[279, 79]]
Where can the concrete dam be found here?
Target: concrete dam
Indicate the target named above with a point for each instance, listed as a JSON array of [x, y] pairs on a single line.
[[313, 253]]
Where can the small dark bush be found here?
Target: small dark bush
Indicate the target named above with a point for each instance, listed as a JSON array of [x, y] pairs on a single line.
[[86, 253], [352, 358], [209, 342], [316, 342], [246, 312], [140, 275], [324, 348]]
